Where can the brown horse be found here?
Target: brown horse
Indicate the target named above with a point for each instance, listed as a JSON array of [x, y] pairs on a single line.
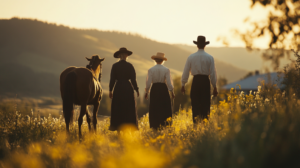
[[81, 86]]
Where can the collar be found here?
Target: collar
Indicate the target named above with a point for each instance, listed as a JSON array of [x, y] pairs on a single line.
[[200, 50], [158, 65]]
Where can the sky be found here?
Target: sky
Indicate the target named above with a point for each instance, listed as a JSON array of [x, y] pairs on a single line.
[[169, 21]]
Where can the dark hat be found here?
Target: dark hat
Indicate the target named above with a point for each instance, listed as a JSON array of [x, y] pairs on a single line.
[[122, 50], [201, 40]]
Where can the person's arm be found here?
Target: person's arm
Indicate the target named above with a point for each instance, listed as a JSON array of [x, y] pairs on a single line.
[[170, 83], [133, 79], [213, 77], [148, 81], [185, 75], [112, 81], [186, 72], [169, 80]]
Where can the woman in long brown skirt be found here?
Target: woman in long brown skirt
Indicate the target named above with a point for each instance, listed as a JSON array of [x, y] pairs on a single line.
[[121, 91], [160, 108]]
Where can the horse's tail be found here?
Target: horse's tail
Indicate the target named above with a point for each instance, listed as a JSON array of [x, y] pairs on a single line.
[[69, 96]]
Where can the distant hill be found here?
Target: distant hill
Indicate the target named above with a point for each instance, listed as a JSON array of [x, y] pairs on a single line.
[[34, 53]]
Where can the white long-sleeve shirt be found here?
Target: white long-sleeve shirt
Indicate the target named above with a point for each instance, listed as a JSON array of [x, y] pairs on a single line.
[[159, 74], [200, 63]]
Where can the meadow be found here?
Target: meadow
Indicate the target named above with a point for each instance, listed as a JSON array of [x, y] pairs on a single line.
[[259, 129]]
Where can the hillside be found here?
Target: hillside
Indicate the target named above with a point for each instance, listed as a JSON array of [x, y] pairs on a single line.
[[34, 53]]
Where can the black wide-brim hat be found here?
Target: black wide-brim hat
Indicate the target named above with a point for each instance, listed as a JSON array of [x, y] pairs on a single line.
[[201, 40], [122, 50]]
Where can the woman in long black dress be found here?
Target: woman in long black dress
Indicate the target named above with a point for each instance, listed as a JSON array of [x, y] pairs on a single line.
[[160, 103], [121, 90]]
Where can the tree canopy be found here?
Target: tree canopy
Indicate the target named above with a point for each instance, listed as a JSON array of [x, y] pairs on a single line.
[[281, 26]]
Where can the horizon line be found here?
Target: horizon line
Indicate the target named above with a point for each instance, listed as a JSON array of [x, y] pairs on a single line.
[[122, 32]]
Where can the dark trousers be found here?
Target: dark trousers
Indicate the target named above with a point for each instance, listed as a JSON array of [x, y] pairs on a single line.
[[200, 97]]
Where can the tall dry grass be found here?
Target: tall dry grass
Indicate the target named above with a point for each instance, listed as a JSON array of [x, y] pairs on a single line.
[[260, 129]]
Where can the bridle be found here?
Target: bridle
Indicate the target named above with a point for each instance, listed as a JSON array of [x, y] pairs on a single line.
[[90, 65], [100, 74]]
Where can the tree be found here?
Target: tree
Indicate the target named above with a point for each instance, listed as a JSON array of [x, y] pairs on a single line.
[[181, 101], [292, 77], [222, 81], [281, 25]]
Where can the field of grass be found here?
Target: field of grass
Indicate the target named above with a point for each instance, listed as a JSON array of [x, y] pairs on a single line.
[[261, 129]]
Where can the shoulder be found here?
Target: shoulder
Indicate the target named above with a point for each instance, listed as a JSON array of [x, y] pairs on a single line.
[[129, 65], [150, 69], [165, 68], [193, 55], [211, 57], [116, 63], [208, 55]]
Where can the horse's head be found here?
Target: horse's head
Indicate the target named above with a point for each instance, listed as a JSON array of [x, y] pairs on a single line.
[[95, 64], [95, 61]]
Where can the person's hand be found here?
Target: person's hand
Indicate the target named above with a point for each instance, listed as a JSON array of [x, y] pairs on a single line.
[[110, 95], [138, 94], [173, 95], [215, 92], [182, 90], [146, 96]]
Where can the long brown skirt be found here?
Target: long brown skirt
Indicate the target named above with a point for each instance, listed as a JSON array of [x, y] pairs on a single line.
[[160, 106], [123, 106]]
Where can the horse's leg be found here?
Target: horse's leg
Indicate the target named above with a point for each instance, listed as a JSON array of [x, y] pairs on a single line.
[[80, 119], [68, 120], [88, 119], [95, 111]]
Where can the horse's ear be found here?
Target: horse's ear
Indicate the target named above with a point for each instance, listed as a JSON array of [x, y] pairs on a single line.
[[89, 59], [102, 59]]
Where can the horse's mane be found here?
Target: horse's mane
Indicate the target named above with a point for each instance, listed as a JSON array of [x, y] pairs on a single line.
[[89, 67]]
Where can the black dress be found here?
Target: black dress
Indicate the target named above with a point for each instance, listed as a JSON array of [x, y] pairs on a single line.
[[123, 106]]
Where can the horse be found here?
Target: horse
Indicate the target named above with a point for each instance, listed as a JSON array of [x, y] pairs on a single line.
[[81, 86]]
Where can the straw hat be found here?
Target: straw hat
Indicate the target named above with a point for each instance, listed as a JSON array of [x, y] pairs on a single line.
[[201, 40], [159, 55], [122, 50]]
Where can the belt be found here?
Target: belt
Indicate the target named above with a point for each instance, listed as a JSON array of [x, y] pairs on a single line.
[[200, 75], [122, 80]]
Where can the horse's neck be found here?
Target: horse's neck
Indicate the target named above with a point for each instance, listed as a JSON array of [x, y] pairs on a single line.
[[96, 72]]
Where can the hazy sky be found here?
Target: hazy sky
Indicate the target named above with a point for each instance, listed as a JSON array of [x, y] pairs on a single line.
[[171, 21]]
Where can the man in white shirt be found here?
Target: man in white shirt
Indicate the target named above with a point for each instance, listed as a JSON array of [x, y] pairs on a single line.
[[202, 66]]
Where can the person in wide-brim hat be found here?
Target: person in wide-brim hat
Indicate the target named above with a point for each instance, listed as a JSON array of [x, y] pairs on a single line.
[[160, 56], [201, 40], [201, 66], [160, 81], [121, 90], [122, 50]]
